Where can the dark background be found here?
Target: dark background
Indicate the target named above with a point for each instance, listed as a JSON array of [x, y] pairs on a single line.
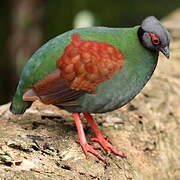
[[27, 24]]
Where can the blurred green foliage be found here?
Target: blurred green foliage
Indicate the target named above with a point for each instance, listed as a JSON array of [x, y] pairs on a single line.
[[114, 13], [58, 17]]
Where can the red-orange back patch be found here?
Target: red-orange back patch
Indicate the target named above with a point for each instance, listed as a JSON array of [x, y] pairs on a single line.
[[87, 63]]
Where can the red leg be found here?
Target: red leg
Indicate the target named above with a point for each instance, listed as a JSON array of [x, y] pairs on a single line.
[[83, 142], [99, 137]]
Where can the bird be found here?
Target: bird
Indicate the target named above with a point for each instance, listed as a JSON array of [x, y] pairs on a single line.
[[92, 70]]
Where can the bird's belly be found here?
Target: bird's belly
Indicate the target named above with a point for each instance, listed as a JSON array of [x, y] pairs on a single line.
[[110, 95], [100, 104]]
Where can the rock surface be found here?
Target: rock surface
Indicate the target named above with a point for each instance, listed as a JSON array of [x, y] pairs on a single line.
[[40, 144]]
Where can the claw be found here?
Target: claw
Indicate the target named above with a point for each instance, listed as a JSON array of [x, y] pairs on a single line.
[[94, 147], [107, 146], [89, 148]]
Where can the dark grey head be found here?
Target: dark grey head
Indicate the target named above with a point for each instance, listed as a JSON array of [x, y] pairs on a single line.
[[154, 36]]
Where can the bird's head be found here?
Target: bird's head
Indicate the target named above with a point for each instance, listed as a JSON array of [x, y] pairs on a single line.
[[154, 36]]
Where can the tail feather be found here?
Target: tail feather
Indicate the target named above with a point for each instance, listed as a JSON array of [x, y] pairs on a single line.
[[18, 106]]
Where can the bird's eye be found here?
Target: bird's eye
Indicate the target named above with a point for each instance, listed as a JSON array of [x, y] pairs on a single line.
[[155, 39]]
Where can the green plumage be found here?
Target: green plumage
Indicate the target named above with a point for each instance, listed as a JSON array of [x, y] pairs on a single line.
[[111, 94]]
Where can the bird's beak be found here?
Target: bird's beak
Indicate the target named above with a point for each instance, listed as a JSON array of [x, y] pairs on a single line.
[[165, 51]]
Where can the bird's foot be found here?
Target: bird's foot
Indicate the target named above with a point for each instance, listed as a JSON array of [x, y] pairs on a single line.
[[108, 147], [83, 142], [91, 149]]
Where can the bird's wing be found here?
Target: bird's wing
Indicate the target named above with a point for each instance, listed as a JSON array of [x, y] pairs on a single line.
[[53, 89], [83, 66]]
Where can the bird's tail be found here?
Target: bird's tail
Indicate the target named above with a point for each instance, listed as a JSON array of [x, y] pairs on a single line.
[[19, 106]]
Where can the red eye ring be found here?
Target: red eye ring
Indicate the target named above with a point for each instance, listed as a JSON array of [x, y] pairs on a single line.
[[155, 39]]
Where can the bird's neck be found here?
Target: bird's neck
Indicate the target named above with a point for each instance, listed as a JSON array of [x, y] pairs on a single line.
[[140, 34]]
